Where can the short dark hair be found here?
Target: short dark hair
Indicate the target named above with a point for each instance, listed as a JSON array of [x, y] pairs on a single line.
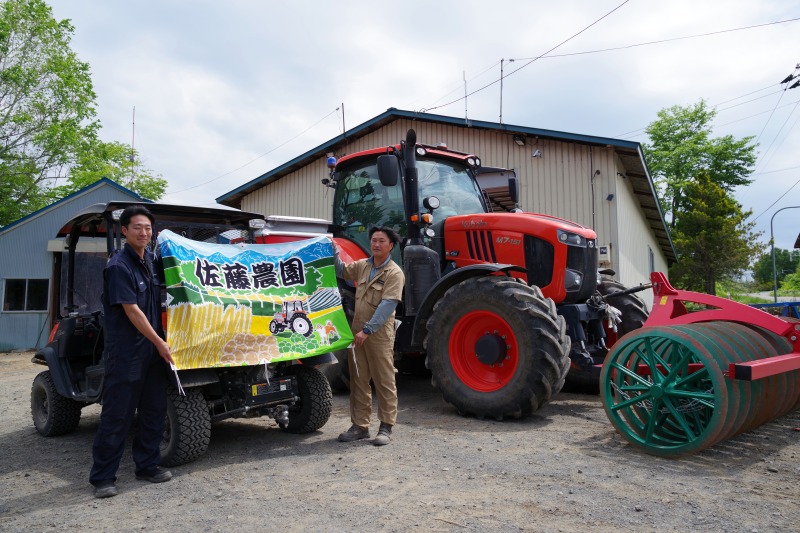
[[392, 234], [133, 210]]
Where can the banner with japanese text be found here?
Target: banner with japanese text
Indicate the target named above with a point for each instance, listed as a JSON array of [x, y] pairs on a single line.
[[250, 304]]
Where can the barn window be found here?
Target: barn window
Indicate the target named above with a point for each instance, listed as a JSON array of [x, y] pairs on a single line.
[[26, 294]]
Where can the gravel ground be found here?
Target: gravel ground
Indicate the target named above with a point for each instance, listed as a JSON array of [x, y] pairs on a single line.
[[564, 469]]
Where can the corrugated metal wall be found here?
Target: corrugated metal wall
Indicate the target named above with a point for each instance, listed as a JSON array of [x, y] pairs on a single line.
[[25, 256], [561, 182], [635, 241]]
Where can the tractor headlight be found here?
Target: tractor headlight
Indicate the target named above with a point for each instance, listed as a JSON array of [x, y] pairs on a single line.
[[572, 280], [573, 239]]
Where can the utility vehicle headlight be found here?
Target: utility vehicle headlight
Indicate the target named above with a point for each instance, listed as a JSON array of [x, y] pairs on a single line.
[[257, 223]]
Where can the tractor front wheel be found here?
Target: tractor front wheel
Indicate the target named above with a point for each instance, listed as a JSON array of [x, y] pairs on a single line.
[[274, 327], [496, 348], [634, 315], [634, 311]]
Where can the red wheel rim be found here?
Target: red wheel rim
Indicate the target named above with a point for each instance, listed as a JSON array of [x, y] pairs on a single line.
[[469, 369]]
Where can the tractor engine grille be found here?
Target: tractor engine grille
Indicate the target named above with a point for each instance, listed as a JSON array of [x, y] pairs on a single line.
[[481, 246]]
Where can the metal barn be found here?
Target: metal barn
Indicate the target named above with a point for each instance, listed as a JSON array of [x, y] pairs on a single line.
[[598, 182], [30, 251]]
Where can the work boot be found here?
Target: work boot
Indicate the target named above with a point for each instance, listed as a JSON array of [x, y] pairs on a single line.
[[354, 433], [155, 474], [384, 435], [105, 489]]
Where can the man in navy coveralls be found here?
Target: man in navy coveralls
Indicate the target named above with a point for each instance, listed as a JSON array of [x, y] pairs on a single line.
[[136, 360]]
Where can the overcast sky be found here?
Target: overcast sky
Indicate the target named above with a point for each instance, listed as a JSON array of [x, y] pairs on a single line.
[[225, 91]]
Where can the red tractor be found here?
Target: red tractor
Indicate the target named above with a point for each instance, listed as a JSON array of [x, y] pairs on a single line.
[[499, 306]]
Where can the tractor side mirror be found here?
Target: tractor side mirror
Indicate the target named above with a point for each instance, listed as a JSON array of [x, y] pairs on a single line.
[[513, 190], [388, 170]]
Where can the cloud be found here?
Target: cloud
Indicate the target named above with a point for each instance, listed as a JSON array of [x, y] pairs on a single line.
[[234, 89]]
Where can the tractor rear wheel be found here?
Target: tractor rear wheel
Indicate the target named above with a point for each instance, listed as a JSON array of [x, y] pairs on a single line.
[[302, 325], [634, 315], [496, 348]]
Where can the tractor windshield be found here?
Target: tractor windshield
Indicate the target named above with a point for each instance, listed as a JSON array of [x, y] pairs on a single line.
[[457, 190], [362, 202]]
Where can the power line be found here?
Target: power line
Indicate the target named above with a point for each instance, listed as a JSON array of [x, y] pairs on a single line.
[[764, 157], [256, 158], [640, 131], [671, 39], [755, 115], [778, 200], [529, 62]]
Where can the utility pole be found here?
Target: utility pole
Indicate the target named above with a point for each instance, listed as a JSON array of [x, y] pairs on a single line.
[[772, 244], [133, 140], [501, 90]]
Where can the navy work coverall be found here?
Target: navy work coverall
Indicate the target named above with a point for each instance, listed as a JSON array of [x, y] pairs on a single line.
[[136, 376]]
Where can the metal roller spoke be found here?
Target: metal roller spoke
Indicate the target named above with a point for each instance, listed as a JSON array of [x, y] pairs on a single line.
[[679, 418], [631, 401], [631, 374]]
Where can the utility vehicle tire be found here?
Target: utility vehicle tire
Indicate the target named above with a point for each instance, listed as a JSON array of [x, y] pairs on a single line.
[[634, 315], [316, 400], [52, 413], [302, 325], [339, 374], [496, 348], [187, 431]]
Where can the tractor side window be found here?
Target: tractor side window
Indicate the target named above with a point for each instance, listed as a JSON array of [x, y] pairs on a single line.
[[361, 202]]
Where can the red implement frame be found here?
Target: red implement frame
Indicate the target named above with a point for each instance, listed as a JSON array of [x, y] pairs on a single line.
[[669, 309]]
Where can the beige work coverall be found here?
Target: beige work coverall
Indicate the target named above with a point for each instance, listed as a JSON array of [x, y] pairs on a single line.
[[375, 358]]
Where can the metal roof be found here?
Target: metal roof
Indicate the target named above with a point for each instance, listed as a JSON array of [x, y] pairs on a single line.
[[97, 183], [629, 152], [95, 213]]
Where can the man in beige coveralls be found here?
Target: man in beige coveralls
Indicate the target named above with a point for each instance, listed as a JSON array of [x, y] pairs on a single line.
[[379, 288]]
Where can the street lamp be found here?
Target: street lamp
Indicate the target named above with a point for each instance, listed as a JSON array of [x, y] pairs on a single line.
[[772, 243]]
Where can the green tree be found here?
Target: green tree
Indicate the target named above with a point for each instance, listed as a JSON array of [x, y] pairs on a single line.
[[681, 146], [713, 239], [48, 131], [786, 262], [47, 105], [116, 161]]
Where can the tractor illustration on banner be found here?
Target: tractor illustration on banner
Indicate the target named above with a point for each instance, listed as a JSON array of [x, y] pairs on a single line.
[[293, 315]]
